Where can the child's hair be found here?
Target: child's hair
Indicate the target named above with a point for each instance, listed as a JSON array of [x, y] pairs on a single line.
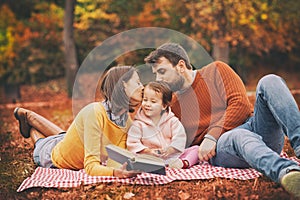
[[164, 89], [112, 87]]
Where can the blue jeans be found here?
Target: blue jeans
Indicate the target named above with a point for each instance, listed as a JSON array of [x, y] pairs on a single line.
[[43, 149], [258, 142]]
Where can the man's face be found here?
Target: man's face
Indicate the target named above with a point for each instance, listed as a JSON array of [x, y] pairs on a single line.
[[165, 71]]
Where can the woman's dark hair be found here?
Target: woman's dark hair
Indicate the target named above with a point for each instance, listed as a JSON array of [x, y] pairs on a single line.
[[112, 87], [163, 88]]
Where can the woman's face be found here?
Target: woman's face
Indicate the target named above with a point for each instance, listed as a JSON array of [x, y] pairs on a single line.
[[134, 88]]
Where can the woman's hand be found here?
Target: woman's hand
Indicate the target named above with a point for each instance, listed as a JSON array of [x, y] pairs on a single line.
[[123, 173]]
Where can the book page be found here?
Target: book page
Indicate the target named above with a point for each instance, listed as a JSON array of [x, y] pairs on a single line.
[[122, 155]]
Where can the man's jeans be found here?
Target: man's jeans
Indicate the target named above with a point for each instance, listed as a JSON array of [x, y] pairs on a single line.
[[259, 141]]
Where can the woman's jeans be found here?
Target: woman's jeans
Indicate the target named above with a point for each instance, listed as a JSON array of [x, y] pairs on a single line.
[[259, 141]]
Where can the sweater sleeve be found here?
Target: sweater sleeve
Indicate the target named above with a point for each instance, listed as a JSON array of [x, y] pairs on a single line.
[[134, 136], [178, 135], [237, 107], [93, 133]]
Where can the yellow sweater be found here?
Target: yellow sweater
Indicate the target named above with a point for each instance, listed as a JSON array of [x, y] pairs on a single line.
[[84, 144]]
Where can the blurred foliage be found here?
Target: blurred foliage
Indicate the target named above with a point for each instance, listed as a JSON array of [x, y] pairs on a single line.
[[31, 49], [31, 46]]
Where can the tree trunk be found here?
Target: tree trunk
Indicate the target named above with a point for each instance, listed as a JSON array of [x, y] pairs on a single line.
[[71, 62], [221, 50], [9, 93], [220, 45]]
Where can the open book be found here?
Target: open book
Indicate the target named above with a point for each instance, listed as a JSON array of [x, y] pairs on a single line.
[[141, 162]]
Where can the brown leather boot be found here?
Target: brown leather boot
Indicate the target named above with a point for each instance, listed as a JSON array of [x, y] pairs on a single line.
[[21, 115], [41, 124]]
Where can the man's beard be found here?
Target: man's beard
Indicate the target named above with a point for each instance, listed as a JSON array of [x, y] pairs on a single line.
[[177, 85]]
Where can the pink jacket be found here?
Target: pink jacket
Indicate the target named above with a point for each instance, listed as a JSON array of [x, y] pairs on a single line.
[[145, 134]]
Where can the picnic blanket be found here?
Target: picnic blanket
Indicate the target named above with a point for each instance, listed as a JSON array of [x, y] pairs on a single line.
[[64, 178]]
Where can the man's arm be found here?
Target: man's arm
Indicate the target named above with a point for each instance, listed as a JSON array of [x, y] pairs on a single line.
[[237, 107]]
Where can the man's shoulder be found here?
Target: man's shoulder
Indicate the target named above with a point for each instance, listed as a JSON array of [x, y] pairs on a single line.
[[214, 65], [214, 68]]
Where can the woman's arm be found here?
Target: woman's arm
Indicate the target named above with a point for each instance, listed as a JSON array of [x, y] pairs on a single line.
[[93, 143]]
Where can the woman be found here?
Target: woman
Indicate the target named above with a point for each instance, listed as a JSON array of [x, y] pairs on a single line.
[[95, 126]]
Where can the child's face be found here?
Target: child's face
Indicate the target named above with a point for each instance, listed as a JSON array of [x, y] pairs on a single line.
[[152, 103]]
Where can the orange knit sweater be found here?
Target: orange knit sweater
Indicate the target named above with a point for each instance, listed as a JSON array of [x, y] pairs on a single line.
[[215, 103]]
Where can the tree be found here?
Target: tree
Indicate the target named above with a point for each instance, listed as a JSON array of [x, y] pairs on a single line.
[[30, 44], [31, 47], [10, 37], [258, 26], [71, 62]]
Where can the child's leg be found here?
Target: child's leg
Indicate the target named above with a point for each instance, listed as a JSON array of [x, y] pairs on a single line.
[[190, 155]]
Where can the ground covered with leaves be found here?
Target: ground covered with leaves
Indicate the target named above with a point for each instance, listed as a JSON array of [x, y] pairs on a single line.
[[51, 101]]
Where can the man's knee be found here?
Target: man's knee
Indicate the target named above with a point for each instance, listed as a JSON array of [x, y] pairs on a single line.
[[270, 80], [239, 136]]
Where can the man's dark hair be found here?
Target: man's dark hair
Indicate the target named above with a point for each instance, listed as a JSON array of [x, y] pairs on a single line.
[[171, 51]]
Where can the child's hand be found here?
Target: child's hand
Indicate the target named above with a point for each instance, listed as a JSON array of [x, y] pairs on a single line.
[[168, 152], [153, 152]]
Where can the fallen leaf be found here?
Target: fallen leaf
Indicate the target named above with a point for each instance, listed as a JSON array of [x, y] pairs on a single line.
[[183, 195], [107, 197], [128, 195]]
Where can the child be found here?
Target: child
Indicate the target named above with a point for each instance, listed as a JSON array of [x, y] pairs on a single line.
[[156, 130]]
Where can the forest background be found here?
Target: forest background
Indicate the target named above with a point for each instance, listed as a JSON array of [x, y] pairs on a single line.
[[254, 37]]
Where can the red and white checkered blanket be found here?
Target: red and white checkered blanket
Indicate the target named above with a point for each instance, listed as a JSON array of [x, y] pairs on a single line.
[[58, 178]]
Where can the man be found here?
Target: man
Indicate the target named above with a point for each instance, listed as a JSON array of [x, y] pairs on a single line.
[[217, 115]]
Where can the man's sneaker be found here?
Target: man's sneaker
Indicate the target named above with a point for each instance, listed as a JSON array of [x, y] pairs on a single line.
[[291, 183]]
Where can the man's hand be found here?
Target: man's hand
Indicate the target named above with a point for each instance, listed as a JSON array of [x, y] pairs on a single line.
[[207, 149], [123, 173]]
